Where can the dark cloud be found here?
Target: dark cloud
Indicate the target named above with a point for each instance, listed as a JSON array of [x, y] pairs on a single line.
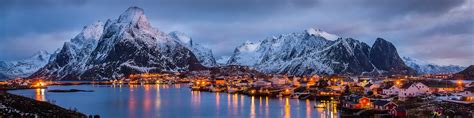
[[390, 8], [223, 24]]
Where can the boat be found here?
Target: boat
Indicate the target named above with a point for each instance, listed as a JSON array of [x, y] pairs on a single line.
[[195, 88], [216, 89], [320, 105], [299, 95], [232, 90]]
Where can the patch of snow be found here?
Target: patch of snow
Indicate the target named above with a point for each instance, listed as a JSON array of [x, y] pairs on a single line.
[[223, 60], [318, 32]]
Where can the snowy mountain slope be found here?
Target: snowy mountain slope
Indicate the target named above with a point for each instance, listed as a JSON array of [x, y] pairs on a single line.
[[118, 48], [310, 52], [203, 54], [287, 53], [72, 57], [223, 60], [423, 67], [25, 67], [246, 54]]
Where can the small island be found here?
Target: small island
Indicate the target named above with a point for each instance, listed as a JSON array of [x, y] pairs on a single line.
[[70, 90]]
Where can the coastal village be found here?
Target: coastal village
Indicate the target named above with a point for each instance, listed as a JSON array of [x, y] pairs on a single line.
[[399, 96], [379, 96]]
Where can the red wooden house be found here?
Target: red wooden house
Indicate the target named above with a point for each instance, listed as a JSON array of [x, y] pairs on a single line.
[[384, 105], [399, 112]]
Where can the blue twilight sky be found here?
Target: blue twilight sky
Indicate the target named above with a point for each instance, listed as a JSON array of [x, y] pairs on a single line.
[[437, 31]]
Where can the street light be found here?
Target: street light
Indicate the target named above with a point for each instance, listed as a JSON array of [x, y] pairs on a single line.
[[397, 82]]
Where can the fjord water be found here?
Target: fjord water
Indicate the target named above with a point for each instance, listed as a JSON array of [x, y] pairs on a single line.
[[174, 101]]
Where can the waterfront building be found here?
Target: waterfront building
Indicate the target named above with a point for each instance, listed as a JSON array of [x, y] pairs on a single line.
[[382, 105], [356, 102], [371, 87], [220, 81], [347, 81], [413, 89], [296, 81], [262, 83], [392, 90], [278, 81], [399, 112], [243, 83]]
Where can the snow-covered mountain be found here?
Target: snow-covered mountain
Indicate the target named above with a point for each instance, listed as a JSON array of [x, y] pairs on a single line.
[[119, 47], [222, 60], [423, 67], [314, 52], [73, 56], [203, 54], [25, 67]]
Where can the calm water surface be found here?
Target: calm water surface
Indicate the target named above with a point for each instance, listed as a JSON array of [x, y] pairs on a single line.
[[175, 101]]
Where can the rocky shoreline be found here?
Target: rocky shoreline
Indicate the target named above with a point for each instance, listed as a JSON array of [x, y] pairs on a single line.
[[15, 106]]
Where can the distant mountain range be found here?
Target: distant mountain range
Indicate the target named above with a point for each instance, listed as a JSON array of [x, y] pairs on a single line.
[[129, 45], [423, 67], [25, 67]]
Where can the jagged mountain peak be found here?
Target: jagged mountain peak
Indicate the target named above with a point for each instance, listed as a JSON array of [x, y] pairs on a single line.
[[381, 41], [249, 46], [134, 16], [203, 54], [92, 31], [42, 55], [384, 56], [183, 37], [319, 32]]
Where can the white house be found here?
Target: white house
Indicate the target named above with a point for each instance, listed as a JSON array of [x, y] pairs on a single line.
[[279, 81], [369, 87], [393, 90], [413, 90], [262, 83]]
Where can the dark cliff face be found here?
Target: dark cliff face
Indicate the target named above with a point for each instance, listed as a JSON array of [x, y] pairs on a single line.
[[467, 73], [349, 56], [384, 56]]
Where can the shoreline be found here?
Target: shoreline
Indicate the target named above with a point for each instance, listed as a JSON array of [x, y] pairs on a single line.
[[12, 105]]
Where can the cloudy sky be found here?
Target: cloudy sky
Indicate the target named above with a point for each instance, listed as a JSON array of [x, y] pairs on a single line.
[[437, 31]]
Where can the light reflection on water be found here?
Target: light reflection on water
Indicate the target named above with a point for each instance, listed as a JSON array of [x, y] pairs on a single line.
[[40, 94], [177, 101]]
